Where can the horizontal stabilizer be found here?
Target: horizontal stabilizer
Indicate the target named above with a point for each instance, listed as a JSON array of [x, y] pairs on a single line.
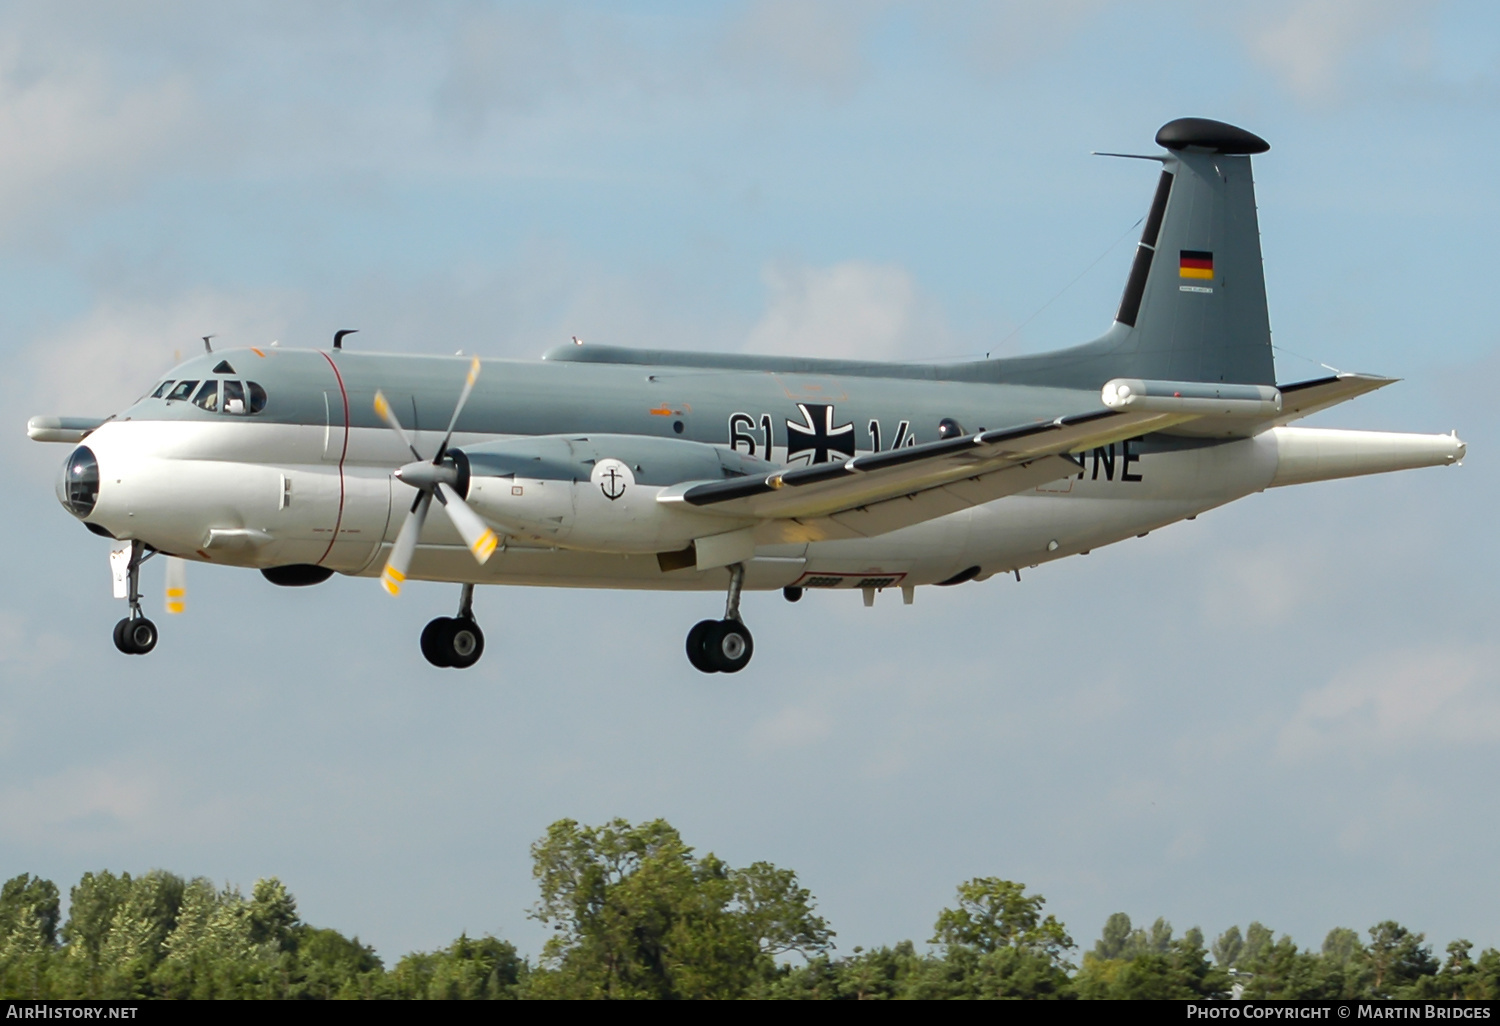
[[1296, 401]]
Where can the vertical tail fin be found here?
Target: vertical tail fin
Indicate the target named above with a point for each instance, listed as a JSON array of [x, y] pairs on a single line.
[[1194, 307]]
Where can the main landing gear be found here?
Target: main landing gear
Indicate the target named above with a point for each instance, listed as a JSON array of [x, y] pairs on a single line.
[[723, 646], [455, 641], [135, 635]]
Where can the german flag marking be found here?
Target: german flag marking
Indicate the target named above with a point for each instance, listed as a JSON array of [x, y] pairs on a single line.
[[1196, 263]]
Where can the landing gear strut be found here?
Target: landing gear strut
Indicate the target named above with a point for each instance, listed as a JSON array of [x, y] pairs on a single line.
[[723, 646], [455, 641], [135, 635]]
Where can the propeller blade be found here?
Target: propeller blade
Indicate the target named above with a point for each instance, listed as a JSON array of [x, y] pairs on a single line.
[[463, 397], [176, 584], [399, 561], [384, 412], [475, 532]]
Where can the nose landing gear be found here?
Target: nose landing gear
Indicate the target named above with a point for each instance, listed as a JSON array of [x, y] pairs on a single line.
[[455, 642], [135, 635], [723, 646]]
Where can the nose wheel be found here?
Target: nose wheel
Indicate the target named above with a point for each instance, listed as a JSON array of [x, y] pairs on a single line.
[[135, 635], [723, 646], [454, 642]]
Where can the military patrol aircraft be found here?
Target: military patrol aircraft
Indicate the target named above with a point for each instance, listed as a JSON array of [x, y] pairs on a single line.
[[606, 467]]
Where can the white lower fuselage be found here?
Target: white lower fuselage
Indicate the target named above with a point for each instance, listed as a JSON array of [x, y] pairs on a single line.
[[266, 495]]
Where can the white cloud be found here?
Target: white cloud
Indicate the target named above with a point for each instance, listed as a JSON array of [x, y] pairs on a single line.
[[81, 800], [804, 42], [105, 360], [792, 727], [1309, 43], [1264, 585], [854, 309], [1003, 36], [1432, 696], [71, 131]]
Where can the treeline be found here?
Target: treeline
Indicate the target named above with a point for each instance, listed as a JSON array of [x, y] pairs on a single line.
[[635, 913]]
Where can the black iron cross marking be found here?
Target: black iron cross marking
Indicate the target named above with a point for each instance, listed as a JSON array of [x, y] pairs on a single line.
[[818, 436]]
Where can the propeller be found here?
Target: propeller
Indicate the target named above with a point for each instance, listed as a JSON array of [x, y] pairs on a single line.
[[435, 479]]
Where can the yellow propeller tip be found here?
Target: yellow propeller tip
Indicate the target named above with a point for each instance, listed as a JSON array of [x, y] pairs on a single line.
[[485, 545]]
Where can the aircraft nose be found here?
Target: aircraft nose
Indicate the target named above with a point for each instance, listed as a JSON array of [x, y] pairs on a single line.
[[78, 484]]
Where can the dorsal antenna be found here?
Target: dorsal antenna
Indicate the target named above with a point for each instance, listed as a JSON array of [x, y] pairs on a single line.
[[338, 336], [206, 347]]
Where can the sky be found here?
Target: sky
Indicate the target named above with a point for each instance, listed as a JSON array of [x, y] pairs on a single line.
[[1287, 710]]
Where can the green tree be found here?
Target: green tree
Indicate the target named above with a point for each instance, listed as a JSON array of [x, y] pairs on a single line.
[[997, 944], [33, 900], [125, 947], [329, 965], [1148, 965], [1227, 947], [1399, 964], [1280, 971], [636, 915], [1114, 939], [212, 951], [28, 937], [467, 970], [1343, 965]]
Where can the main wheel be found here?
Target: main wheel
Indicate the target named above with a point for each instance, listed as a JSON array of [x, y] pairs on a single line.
[[697, 646], [135, 637], [436, 645], [728, 646], [465, 643]]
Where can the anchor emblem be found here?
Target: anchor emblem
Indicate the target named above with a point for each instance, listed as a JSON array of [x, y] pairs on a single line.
[[613, 478]]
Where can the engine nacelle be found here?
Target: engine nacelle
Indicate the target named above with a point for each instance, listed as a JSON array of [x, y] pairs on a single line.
[[598, 492]]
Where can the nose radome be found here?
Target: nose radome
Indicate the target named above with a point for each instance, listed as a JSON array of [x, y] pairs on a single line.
[[78, 485]]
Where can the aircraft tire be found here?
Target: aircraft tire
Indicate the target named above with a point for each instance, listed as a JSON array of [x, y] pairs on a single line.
[[697, 646], [437, 645], [465, 643], [729, 646], [135, 637]]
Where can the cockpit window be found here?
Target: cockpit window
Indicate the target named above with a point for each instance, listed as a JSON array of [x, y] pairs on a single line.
[[234, 398], [183, 390], [257, 397], [208, 396], [223, 368], [161, 390]]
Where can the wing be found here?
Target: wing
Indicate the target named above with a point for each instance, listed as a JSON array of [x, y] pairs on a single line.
[[880, 492]]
